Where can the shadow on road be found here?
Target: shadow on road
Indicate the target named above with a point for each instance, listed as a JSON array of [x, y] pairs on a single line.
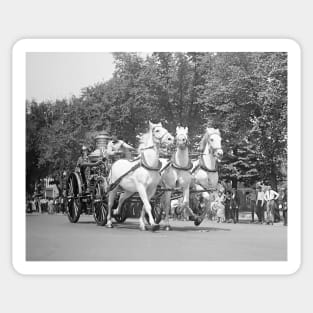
[[196, 229], [183, 228]]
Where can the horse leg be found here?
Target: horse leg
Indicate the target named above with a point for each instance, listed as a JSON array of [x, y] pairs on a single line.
[[167, 206], [111, 199], [186, 207], [142, 225], [125, 195], [146, 205]]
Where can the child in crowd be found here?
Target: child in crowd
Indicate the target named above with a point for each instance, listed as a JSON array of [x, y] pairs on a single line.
[[218, 206]]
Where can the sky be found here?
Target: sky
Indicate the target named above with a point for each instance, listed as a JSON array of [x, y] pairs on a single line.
[[51, 76]]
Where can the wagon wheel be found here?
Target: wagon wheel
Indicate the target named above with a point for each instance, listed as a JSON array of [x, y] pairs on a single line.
[[121, 218], [73, 205], [99, 204]]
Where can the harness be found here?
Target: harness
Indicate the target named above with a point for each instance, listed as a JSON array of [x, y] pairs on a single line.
[[142, 163], [202, 165], [116, 183], [172, 163], [179, 167]]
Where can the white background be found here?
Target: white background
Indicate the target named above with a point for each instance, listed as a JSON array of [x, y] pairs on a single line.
[[141, 19]]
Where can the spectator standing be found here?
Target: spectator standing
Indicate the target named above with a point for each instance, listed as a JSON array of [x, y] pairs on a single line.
[[219, 207], [251, 199], [227, 205], [285, 207], [270, 196], [234, 206], [260, 203], [50, 206]]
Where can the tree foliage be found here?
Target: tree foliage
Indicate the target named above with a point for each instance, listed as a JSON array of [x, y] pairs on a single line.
[[242, 94]]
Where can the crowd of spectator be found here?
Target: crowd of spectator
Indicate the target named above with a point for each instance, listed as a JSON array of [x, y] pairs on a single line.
[[38, 204], [265, 205]]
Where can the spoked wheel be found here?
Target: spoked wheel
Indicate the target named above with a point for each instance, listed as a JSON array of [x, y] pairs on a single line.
[[121, 218], [73, 206], [100, 206]]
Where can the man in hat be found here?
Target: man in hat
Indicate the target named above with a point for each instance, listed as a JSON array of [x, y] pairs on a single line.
[[83, 157], [260, 202], [83, 167], [234, 206], [117, 146], [270, 196]]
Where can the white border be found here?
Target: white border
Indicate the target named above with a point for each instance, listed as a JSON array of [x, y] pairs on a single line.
[[147, 45]]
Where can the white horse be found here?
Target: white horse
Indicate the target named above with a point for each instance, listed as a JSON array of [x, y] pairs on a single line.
[[144, 179], [176, 174], [204, 170]]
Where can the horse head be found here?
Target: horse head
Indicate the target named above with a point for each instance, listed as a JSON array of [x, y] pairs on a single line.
[[212, 139], [160, 135], [182, 137]]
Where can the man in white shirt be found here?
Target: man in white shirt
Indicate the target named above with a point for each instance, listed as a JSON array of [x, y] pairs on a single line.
[[116, 146], [260, 204], [270, 196]]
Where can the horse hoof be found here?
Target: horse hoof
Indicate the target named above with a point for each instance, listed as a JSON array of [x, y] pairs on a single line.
[[142, 228], [155, 227], [198, 221], [168, 228], [109, 225]]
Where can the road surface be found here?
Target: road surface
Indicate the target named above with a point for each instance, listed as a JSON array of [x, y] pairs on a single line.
[[54, 238]]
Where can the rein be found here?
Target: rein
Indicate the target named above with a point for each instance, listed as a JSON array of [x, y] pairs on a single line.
[[176, 166], [115, 184], [147, 148], [204, 167]]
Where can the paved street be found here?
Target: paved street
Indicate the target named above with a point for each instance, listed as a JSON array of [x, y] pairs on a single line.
[[54, 238]]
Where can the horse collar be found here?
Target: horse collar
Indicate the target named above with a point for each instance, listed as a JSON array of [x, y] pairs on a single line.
[[144, 164], [182, 168], [205, 168]]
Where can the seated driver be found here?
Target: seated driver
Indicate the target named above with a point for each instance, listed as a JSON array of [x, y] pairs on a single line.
[[116, 146], [83, 166]]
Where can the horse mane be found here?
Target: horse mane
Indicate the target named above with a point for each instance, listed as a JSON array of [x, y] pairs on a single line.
[[209, 132], [144, 140]]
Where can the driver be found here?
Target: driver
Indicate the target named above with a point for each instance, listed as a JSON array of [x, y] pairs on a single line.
[[83, 167], [116, 146]]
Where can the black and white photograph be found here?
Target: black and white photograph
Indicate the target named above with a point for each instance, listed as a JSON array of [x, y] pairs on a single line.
[[157, 156]]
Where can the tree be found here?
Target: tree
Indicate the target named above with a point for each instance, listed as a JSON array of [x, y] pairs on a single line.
[[242, 94]]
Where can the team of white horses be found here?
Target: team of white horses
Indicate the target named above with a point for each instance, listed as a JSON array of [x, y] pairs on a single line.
[[179, 173]]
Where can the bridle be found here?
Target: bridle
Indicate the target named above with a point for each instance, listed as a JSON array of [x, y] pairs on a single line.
[[156, 138], [159, 138], [143, 161], [211, 149], [180, 137]]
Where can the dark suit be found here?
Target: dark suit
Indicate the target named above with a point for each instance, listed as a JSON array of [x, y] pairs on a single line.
[[234, 206]]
